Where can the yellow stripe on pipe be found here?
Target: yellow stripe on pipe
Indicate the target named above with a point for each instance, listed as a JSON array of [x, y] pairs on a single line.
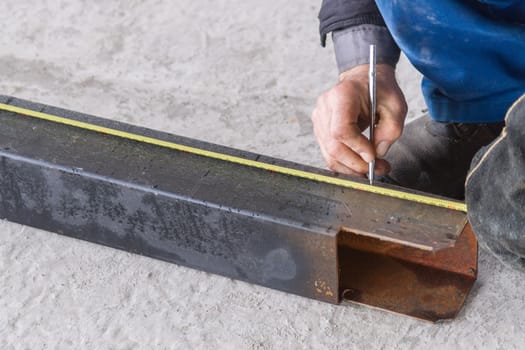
[[438, 202]]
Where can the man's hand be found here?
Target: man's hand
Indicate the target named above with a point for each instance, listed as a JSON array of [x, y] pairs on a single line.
[[343, 112]]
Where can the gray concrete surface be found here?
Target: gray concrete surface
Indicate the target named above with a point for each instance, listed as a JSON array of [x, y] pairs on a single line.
[[238, 73]]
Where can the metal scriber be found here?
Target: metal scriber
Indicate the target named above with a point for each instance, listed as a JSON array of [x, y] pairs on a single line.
[[372, 91]]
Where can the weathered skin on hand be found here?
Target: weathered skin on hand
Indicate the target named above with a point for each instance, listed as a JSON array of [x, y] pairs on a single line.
[[343, 112]]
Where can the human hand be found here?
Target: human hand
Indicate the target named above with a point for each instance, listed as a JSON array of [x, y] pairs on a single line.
[[343, 112]]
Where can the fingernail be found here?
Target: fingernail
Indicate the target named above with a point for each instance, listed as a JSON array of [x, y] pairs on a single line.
[[366, 157], [382, 148]]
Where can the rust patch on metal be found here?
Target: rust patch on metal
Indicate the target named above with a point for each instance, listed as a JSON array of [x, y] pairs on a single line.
[[323, 288], [427, 285]]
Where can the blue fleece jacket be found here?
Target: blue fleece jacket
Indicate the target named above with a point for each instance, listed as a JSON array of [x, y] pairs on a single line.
[[471, 53]]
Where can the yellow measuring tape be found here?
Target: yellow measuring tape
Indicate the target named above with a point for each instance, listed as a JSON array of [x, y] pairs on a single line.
[[438, 202]]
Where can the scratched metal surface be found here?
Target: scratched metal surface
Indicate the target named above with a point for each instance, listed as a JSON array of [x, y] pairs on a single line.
[[320, 207]]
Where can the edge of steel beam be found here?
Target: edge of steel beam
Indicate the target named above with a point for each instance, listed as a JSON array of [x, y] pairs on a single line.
[[249, 223]]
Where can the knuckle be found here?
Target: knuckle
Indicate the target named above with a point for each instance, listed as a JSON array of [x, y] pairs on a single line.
[[341, 92], [399, 108], [332, 149], [396, 131], [341, 133], [338, 134], [331, 163]]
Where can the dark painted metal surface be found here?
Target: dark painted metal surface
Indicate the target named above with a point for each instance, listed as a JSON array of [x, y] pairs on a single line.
[[331, 206], [272, 229]]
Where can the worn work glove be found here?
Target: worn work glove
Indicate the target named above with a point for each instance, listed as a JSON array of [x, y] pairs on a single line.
[[495, 191]]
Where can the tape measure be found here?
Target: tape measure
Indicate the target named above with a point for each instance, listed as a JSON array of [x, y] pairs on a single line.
[[438, 202]]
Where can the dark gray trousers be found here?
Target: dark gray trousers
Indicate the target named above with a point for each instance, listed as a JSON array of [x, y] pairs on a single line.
[[495, 191]]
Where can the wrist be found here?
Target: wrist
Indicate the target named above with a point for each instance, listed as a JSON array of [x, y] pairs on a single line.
[[359, 72]]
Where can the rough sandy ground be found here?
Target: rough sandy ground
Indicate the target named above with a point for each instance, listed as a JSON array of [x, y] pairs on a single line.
[[239, 73]]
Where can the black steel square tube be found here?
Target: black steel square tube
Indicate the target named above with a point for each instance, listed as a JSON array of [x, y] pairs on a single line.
[[245, 222], [215, 216]]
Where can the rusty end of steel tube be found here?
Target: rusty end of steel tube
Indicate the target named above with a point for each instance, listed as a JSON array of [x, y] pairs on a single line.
[[427, 285]]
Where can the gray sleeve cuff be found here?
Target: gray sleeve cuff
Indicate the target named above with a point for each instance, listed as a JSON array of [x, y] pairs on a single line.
[[352, 46]]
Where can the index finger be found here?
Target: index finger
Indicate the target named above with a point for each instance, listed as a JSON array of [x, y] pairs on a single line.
[[344, 126]]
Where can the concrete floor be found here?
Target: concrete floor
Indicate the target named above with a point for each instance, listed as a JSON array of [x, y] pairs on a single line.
[[239, 73]]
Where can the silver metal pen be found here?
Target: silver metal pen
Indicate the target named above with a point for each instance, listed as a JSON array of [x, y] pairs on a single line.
[[372, 91]]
